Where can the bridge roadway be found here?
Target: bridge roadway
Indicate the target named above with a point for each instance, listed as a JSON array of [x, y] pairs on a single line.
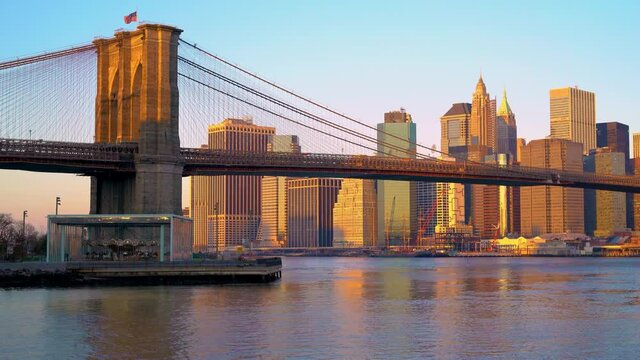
[[88, 159]]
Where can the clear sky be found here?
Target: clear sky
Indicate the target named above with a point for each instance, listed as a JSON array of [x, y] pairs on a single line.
[[363, 58]]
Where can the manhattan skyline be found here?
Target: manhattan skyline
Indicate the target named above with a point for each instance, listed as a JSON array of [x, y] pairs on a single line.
[[353, 58]]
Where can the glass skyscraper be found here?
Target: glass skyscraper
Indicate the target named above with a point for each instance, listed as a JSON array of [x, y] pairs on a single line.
[[397, 211]]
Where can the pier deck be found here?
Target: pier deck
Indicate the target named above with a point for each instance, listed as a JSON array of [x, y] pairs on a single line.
[[262, 270]]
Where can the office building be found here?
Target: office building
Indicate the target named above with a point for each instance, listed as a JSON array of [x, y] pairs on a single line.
[[397, 210], [354, 214], [552, 209], [573, 116], [507, 132], [615, 137], [482, 124], [636, 145], [310, 211], [454, 127], [273, 229], [451, 218], [635, 164], [495, 209], [520, 143], [231, 202], [610, 205], [426, 195], [199, 211]]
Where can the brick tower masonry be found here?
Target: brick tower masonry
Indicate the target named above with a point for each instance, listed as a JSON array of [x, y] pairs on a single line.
[[137, 101]]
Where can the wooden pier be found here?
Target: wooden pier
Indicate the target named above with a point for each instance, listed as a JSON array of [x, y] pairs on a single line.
[[261, 270]]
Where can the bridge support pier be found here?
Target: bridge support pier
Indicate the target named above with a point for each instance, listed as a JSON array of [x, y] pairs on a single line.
[[158, 187]]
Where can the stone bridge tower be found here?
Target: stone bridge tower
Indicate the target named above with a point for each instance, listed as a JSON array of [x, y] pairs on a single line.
[[137, 101]]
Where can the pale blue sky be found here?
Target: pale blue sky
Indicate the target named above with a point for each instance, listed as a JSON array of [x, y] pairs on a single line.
[[365, 57]]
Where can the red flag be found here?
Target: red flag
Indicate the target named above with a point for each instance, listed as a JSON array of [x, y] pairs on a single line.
[[131, 18]]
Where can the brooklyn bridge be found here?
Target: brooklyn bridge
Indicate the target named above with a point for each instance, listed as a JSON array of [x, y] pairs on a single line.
[[131, 111]]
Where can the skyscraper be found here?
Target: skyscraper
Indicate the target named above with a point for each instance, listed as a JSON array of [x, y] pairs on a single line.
[[454, 127], [450, 212], [520, 143], [426, 207], [494, 206], [573, 116], [506, 128], [636, 197], [450, 209], [552, 209], [397, 220], [354, 214], [615, 136], [199, 211], [274, 196], [482, 125], [483, 199], [232, 202], [611, 210], [636, 145], [310, 211]]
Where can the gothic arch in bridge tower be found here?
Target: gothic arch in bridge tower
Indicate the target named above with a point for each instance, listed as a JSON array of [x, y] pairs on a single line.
[[137, 101], [113, 107], [135, 92]]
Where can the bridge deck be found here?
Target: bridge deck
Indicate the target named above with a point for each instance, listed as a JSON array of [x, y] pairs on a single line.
[[88, 159]]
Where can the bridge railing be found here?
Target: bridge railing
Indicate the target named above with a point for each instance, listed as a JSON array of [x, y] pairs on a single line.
[[433, 167], [52, 150]]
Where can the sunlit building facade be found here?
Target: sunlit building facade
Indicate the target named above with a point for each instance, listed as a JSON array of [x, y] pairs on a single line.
[[273, 224], [354, 214], [610, 206], [615, 136], [552, 209], [397, 212], [232, 202], [450, 209], [520, 143], [636, 145], [573, 116], [482, 124], [199, 210], [310, 211]]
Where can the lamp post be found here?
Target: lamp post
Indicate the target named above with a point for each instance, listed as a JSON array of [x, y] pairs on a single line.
[[58, 203]]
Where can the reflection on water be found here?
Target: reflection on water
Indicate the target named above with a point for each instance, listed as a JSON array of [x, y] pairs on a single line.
[[346, 307]]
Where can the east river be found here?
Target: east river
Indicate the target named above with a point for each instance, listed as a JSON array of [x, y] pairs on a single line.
[[348, 308]]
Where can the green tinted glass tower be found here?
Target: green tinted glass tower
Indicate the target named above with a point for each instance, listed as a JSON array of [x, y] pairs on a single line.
[[397, 219]]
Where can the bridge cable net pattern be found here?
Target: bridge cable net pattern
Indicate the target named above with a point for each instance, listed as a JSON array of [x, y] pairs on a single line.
[[49, 96], [52, 97], [212, 89]]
